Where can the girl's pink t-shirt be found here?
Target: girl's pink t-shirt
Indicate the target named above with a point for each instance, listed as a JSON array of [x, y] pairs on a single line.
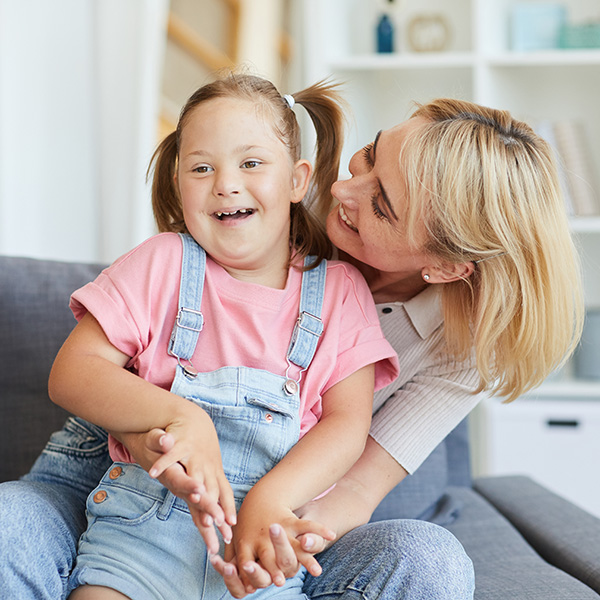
[[135, 301]]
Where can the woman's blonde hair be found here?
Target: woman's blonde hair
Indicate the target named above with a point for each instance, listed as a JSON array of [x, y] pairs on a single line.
[[324, 106], [487, 189]]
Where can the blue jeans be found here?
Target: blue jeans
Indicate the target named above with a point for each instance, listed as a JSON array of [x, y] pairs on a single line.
[[43, 514], [42, 517]]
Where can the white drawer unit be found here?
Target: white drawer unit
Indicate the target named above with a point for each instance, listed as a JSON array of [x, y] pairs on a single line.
[[554, 440]]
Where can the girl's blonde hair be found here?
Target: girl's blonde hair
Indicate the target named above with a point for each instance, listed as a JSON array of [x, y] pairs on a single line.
[[487, 189], [324, 106]]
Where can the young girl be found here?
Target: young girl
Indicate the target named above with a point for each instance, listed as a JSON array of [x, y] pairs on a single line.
[[235, 336]]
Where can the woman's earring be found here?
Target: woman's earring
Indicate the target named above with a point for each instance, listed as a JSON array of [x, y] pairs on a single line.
[[426, 277]]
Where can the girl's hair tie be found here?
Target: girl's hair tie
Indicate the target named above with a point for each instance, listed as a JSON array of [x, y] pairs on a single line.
[[289, 99]]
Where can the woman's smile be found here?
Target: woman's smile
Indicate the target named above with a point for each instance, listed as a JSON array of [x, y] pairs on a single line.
[[344, 217]]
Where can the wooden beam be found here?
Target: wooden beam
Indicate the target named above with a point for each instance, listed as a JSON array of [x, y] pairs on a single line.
[[205, 52]]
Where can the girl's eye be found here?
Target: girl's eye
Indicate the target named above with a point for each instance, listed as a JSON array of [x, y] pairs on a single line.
[[250, 164], [366, 151], [201, 169], [375, 206]]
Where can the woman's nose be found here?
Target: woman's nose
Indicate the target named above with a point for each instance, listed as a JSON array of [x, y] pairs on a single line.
[[344, 190]]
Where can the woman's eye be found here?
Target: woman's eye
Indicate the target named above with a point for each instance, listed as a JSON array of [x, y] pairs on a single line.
[[366, 151], [250, 164], [375, 206]]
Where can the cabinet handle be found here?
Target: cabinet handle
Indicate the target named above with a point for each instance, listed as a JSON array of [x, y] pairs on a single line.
[[562, 423]]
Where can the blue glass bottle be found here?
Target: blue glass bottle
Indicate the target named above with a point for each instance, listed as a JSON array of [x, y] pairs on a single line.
[[385, 34]]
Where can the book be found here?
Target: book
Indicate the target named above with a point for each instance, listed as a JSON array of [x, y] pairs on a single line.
[[571, 147], [545, 129]]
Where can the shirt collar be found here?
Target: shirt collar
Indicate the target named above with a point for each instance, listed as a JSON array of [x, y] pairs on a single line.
[[425, 310]]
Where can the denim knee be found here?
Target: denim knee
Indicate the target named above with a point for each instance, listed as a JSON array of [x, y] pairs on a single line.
[[39, 528], [399, 560]]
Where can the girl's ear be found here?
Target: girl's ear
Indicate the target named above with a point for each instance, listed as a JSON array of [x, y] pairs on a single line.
[[300, 180], [447, 272]]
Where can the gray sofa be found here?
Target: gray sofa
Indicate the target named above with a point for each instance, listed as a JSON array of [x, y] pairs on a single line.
[[526, 543]]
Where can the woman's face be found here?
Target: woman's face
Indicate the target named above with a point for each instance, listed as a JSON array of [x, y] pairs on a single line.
[[368, 223]]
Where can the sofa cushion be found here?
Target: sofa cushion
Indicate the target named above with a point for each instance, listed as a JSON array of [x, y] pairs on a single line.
[[506, 566], [563, 534], [34, 321]]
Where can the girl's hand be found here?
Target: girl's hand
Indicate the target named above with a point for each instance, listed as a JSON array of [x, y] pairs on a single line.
[[147, 448], [191, 471], [196, 447], [286, 560], [259, 545]]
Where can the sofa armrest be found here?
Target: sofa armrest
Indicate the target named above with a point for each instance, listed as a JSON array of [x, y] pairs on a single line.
[[565, 535]]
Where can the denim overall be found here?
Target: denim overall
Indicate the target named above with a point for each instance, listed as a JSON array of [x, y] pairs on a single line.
[[140, 538]]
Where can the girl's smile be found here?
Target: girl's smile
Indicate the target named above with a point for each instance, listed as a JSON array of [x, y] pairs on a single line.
[[234, 214], [237, 181]]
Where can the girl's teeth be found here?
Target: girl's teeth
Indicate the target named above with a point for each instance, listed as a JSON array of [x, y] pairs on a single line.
[[242, 211]]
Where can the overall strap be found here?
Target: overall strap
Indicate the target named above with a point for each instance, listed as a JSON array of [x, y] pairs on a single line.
[[189, 321], [309, 327]]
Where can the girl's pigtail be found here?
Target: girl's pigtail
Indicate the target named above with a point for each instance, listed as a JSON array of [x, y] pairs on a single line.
[[326, 110], [166, 204]]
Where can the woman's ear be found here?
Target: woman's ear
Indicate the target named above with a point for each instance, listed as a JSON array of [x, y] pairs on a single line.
[[447, 272], [300, 180]]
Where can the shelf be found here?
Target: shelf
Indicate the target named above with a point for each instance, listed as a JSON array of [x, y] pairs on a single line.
[[433, 60], [585, 224], [576, 389], [550, 58], [441, 60]]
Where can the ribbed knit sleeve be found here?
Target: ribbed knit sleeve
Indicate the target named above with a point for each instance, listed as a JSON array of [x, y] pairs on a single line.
[[432, 393]]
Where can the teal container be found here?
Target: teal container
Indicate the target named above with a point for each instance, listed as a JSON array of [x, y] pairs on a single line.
[[580, 36]]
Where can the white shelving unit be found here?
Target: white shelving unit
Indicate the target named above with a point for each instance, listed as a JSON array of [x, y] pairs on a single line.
[[477, 65]]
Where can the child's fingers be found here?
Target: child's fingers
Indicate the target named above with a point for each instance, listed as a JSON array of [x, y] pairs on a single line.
[[166, 441], [226, 532], [308, 561], [207, 531], [285, 554], [305, 526], [219, 502], [264, 554], [230, 576], [176, 479], [227, 501], [290, 555], [157, 440], [164, 462], [209, 505], [254, 577], [269, 563]]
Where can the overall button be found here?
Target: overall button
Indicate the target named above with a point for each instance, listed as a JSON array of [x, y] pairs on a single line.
[[100, 496], [290, 387], [269, 418], [116, 472]]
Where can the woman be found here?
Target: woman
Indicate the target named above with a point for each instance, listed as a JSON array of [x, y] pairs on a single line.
[[466, 197], [458, 207]]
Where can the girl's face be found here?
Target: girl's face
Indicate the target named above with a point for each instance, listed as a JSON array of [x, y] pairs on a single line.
[[236, 181], [368, 223]]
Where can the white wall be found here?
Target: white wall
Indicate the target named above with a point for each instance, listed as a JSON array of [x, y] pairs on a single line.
[[79, 97]]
